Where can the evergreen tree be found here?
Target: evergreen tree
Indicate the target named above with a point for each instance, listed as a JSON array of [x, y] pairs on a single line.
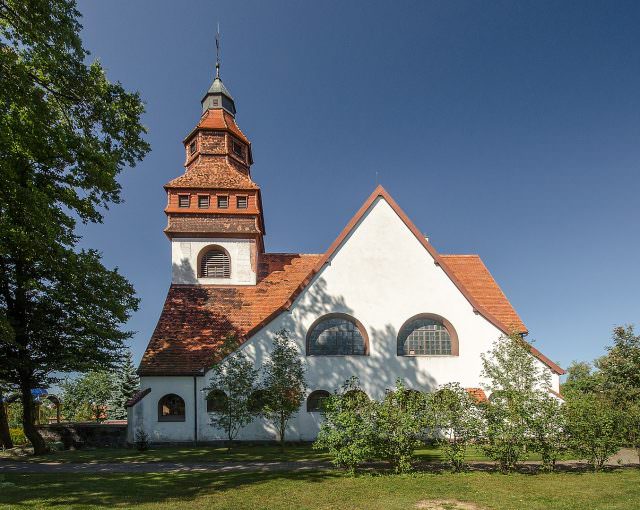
[[126, 384], [66, 133]]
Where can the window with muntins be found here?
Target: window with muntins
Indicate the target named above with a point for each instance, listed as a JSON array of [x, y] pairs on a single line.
[[336, 336], [215, 263], [242, 202], [203, 201], [315, 400], [171, 408], [424, 337], [238, 150], [216, 401], [183, 200], [223, 201]]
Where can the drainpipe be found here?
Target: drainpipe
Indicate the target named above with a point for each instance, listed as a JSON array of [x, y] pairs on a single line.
[[195, 412]]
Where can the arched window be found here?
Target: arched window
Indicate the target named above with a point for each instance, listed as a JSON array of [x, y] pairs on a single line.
[[171, 408], [337, 335], [315, 400], [215, 263], [216, 401], [257, 401], [427, 335]]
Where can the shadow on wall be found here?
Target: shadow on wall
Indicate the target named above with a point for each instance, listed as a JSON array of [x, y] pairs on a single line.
[[183, 272], [377, 371]]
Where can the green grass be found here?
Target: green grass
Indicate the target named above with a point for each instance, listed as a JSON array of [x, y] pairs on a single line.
[[619, 489], [263, 452]]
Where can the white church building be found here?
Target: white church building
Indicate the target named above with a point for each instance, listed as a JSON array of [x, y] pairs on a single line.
[[381, 303]]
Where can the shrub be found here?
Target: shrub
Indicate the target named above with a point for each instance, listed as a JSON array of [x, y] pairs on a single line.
[[17, 437], [142, 440], [547, 430], [400, 420], [347, 431], [456, 421], [595, 427]]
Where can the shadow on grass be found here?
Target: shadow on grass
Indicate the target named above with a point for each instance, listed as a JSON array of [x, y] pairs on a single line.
[[86, 490]]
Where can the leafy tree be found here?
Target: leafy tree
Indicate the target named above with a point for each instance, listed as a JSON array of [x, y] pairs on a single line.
[[594, 426], [126, 385], [235, 379], [581, 378], [284, 383], [5, 435], [620, 379], [455, 417], [66, 133], [547, 430], [87, 397], [517, 382], [400, 421], [347, 431]]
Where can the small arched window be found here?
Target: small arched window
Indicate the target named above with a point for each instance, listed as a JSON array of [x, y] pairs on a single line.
[[216, 401], [257, 401], [427, 335], [171, 408], [337, 335], [315, 400], [215, 263]]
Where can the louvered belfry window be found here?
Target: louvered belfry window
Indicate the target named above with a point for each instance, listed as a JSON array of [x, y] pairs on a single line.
[[215, 264]]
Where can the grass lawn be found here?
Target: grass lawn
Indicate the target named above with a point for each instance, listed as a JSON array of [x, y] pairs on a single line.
[[262, 452], [618, 489]]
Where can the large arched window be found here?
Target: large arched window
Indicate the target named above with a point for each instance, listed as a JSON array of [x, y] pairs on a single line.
[[427, 335], [215, 263], [171, 408], [315, 400], [216, 401], [337, 334]]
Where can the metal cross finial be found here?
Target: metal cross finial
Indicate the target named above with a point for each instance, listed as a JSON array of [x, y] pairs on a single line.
[[218, 52]]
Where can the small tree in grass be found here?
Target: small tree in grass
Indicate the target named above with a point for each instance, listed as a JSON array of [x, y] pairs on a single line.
[[547, 430], [347, 430], [517, 383], [400, 420], [457, 421], [595, 427], [232, 384], [284, 383]]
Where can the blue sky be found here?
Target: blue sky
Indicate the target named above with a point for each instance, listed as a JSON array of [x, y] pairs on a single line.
[[507, 129]]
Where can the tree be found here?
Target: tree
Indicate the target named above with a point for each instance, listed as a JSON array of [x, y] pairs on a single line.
[[581, 378], [594, 426], [400, 421], [284, 383], [5, 435], [517, 382], [347, 430], [547, 430], [87, 397], [455, 418], [126, 385], [233, 382], [620, 379], [66, 133]]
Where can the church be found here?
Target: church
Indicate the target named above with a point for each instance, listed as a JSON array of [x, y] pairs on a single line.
[[380, 303]]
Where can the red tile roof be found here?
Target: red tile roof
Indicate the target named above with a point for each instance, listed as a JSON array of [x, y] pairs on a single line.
[[477, 279], [214, 173], [477, 394], [220, 119], [196, 318]]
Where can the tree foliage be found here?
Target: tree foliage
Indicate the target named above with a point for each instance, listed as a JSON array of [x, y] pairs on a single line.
[[284, 383], [87, 397], [347, 431], [66, 133], [125, 386], [455, 419], [236, 378]]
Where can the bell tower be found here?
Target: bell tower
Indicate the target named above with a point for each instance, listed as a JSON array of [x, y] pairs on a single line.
[[214, 209]]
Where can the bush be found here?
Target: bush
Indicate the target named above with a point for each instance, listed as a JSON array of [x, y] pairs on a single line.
[[142, 440], [18, 437], [347, 431], [595, 427], [400, 421]]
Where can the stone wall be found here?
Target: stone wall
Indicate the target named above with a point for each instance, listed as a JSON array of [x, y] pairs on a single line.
[[79, 435]]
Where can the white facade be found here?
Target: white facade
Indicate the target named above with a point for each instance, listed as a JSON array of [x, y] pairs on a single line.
[[185, 254], [381, 275]]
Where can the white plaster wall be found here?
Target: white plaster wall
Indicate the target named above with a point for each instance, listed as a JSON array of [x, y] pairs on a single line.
[[184, 260], [382, 276]]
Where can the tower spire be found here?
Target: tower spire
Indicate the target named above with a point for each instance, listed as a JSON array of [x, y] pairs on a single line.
[[218, 97], [218, 52]]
